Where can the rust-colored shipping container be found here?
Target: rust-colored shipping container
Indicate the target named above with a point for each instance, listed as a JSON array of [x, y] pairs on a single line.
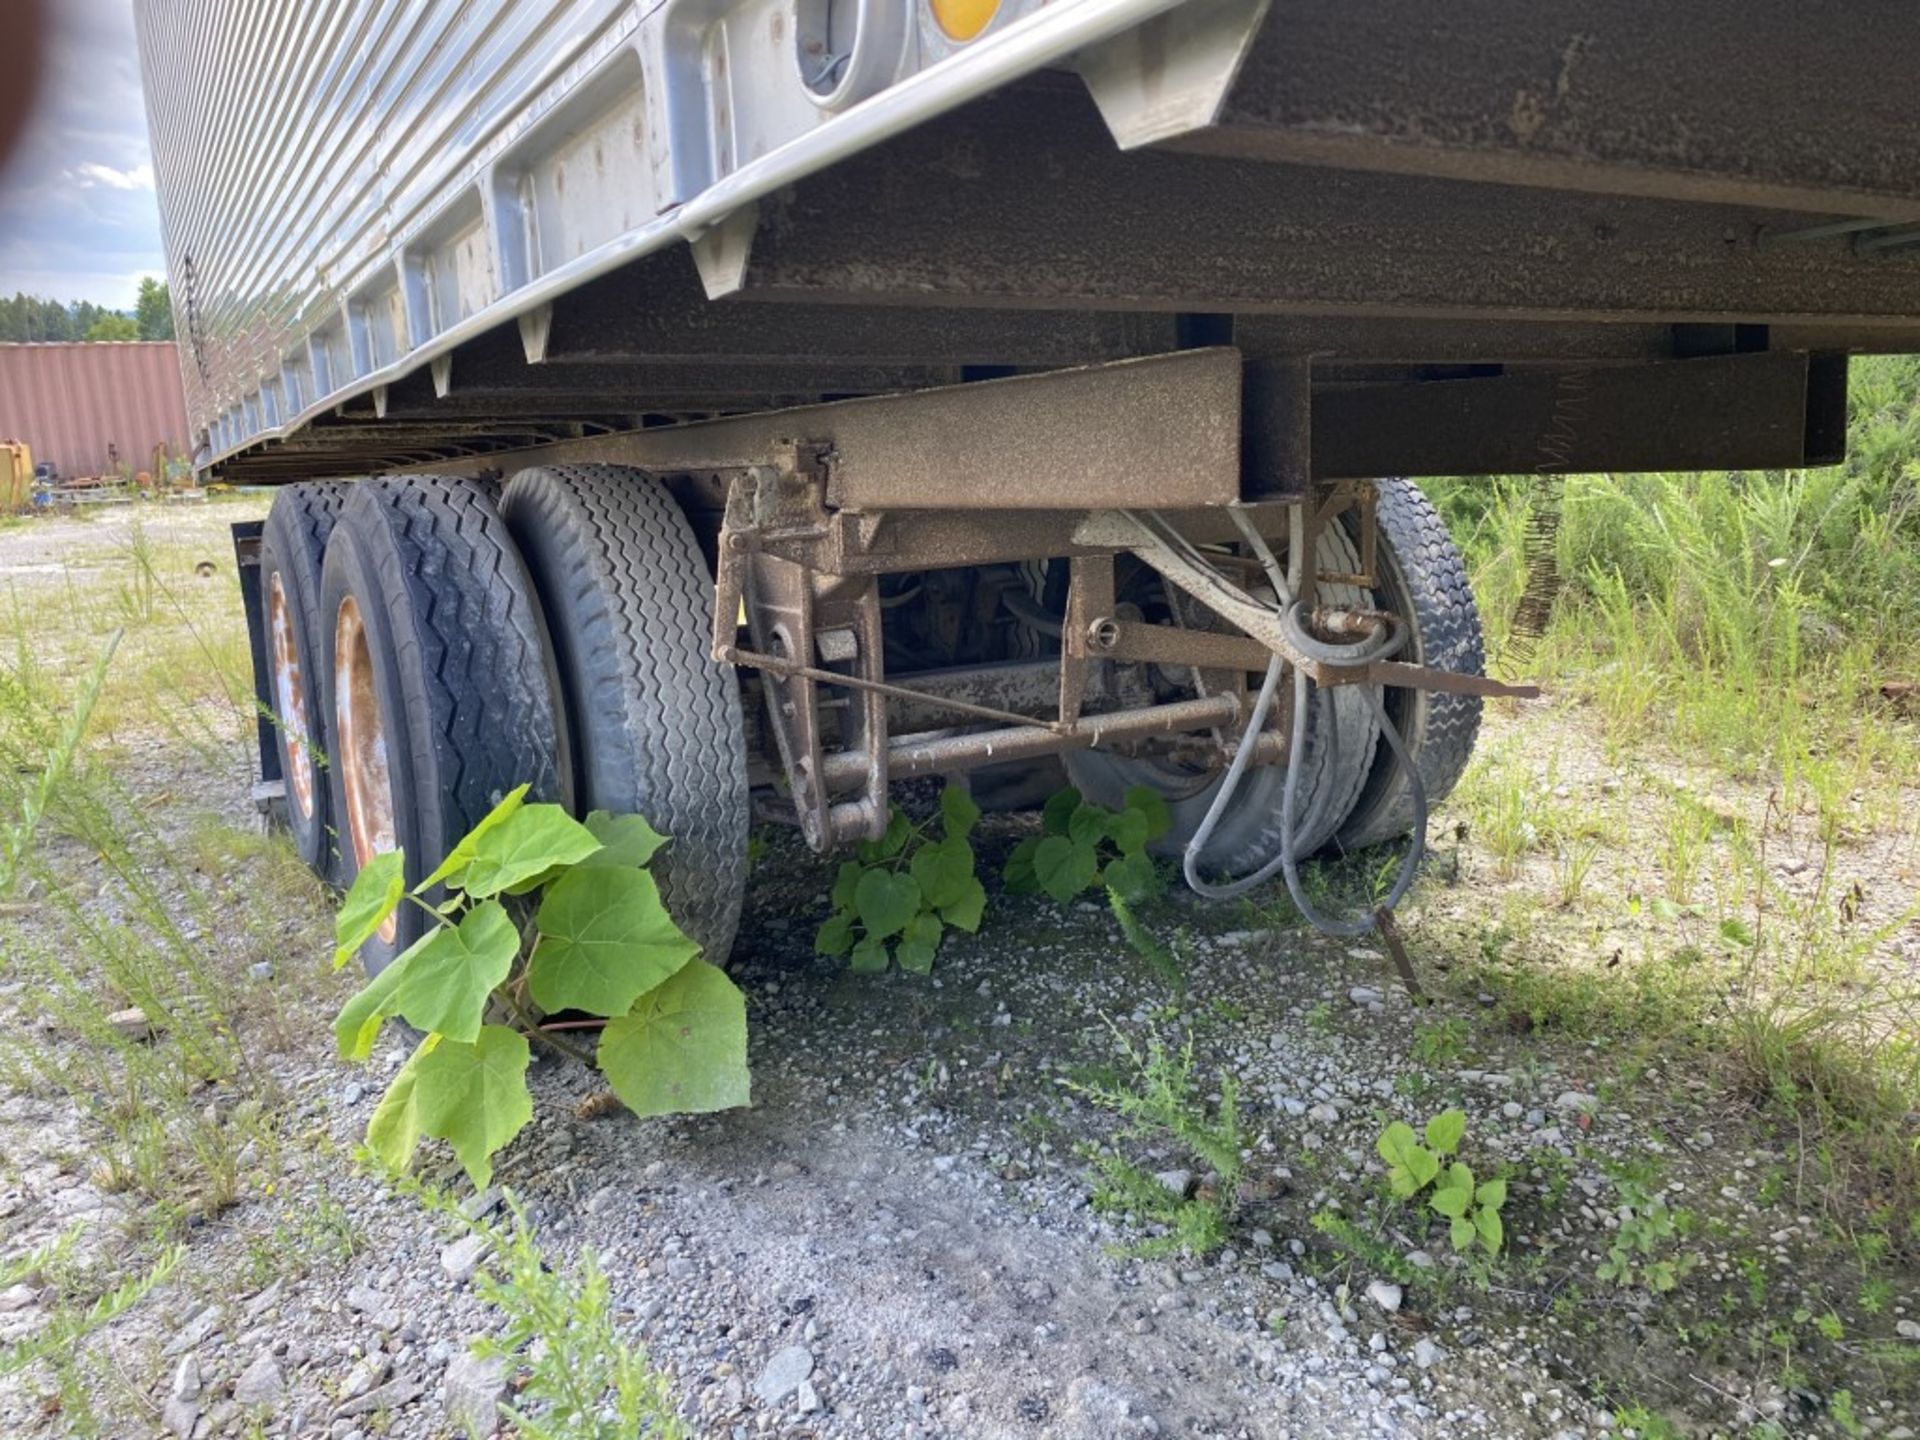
[[93, 408]]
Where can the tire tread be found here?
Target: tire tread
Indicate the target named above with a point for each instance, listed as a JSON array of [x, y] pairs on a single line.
[[1440, 729], [657, 723]]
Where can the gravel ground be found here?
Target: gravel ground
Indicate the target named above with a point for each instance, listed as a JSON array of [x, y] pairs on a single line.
[[897, 1241]]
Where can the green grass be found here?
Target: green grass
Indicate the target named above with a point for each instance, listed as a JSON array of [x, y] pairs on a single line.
[[118, 685], [1737, 627], [1748, 617]]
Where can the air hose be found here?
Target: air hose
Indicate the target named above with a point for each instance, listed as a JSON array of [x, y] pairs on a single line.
[[1379, 646]]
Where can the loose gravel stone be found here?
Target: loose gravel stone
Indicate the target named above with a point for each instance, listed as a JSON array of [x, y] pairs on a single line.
[[783, 1373], [1385, 1294], [374, 1305], [391, 1396], [365, 1376], [1175, 1182], [179, 1417], [261, 1383], [474, 1390], [132, 1023], [463, 1256]]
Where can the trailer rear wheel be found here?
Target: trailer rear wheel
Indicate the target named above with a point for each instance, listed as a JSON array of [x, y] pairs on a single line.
[[1422, 577], [292, 546], [442, 683], [1248, 834], [656, 723]]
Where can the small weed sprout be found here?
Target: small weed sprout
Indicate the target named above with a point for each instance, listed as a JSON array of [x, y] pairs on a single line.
[[56, 1345], [1639, 1254], [1572, 862], [1159, 1099], [1440, 1042], [1472, 1209], [18, 835], [579, 1379]]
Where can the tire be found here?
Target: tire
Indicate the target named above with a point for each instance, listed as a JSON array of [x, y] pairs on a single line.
[[1248, 835], [1423, 578], [444, 694], [292, 545], [656, 723]]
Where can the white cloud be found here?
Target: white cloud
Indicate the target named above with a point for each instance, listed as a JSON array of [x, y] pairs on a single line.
[[91, 174], [78, 215]]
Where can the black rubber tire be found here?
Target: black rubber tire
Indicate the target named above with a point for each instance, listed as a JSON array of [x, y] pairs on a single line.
[[1423, 577], [656, 722], [462, 670], [293, 544], [1248, 835]]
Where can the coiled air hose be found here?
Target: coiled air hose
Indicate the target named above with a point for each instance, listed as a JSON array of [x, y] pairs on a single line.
[[1376, 647]]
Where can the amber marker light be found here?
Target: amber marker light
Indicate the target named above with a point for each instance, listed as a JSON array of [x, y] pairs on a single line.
[[963, 19]]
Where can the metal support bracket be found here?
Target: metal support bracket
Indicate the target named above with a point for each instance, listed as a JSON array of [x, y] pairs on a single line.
[[1172, 74], [1089, 604]]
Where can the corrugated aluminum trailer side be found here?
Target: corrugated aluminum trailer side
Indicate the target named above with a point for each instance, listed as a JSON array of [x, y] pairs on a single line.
[[351, 187], [356, 191]]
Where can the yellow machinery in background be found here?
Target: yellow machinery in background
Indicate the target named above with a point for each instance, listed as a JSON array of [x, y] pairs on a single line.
[[16, 476]]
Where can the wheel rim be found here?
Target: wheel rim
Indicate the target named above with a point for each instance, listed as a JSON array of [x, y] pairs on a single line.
[[361, 744], [290, 698]]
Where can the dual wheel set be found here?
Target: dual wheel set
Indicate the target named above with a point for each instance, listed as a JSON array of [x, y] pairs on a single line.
[[434, 642]]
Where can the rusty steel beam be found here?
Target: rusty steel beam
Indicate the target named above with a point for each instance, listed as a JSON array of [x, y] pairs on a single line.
[[1168, 426], [1028, 687], [1162, 430], [1175, 645], [1151, 230], [910, 755], [1776, 104]]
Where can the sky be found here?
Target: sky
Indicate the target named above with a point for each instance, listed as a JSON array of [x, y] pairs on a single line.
[[78, 220]]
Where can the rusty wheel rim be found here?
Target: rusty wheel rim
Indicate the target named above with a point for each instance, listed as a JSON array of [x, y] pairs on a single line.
[[360, 745], [290, 698]]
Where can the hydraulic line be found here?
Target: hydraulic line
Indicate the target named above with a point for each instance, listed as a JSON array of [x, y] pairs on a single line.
[[1379, 646], [1417, 842]]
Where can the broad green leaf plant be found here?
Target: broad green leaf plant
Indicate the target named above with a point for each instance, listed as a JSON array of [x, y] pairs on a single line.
[[1083, 845], [1472, 1210], [600, 941], [896, 900]]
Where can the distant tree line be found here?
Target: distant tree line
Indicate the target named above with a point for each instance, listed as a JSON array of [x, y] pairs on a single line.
[[32, 318]]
